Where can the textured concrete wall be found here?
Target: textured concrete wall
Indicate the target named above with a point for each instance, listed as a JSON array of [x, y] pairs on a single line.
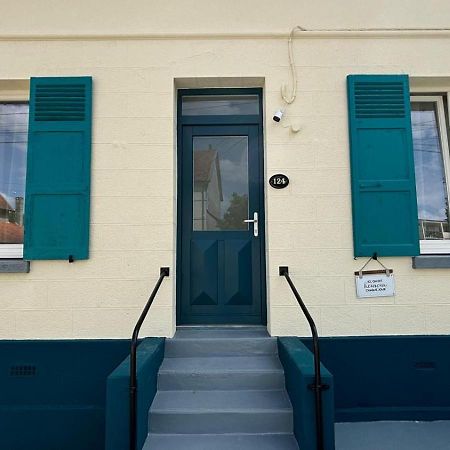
[[214, 16], [133, 177]]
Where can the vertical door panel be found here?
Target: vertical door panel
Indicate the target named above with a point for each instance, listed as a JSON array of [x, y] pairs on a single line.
[[237, 269], [204, 269]]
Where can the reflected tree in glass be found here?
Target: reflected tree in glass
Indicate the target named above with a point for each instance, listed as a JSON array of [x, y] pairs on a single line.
[[232, 218], [220, 184]]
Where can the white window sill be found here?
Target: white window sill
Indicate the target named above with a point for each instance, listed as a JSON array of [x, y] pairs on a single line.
[[437, 247], [11, 259], [433, 255], [11, 251]]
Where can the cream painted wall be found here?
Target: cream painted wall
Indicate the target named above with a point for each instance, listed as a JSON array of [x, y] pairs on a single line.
[[133, 178], [214, 16]]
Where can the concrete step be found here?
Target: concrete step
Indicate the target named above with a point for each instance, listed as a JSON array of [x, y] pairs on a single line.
[[223, 341], [234, 373], [209, 412], [202, 332], [168, 401], [221, 442], [187, 347]]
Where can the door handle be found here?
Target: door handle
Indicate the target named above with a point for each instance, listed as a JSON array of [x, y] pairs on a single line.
[[254, 221]]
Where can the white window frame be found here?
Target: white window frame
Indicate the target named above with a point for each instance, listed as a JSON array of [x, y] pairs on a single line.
[[438, 246], [13, 251]]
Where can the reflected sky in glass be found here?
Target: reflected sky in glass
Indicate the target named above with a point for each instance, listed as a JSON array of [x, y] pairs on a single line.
[[13, 150], [429, 165]]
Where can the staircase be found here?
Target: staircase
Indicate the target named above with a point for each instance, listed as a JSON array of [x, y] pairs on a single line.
[[221, 388]]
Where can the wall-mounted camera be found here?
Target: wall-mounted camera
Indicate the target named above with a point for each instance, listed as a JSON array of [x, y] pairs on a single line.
[[278, 115]]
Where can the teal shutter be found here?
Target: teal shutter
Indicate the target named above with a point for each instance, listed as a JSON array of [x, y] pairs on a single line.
[[382, 166], [57, 195]]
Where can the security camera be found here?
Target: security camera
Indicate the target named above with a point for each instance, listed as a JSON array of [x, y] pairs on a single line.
[[278, 115]]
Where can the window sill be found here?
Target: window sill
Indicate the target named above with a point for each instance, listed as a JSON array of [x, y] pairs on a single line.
[[431, 262], [14, 266]]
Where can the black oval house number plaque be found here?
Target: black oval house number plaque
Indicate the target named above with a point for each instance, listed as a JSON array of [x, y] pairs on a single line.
[[279, 181]]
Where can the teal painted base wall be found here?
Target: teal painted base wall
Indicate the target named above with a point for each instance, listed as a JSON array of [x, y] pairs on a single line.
[[298, 364], [53, 393], [389, 377], [150, 354]]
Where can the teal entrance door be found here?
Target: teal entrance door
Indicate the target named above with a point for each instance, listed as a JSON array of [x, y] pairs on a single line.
[[221, 222]]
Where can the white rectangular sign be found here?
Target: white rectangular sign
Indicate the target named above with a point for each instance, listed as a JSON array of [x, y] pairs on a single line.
[[375, 284]]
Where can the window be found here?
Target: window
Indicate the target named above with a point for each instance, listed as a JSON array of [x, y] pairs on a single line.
[[212, 105], [394, 212], [55, 133], [432, 168], [13, 157]]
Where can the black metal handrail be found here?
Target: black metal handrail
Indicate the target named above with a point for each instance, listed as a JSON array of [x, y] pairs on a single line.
[[163, 272], [317, 386]]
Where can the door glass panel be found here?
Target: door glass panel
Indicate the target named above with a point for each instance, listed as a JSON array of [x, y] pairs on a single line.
[[220, 194], [220, 105], [431, 184]]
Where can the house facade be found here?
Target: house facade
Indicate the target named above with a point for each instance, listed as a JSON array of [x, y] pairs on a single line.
[[166, 81], [223, 141]]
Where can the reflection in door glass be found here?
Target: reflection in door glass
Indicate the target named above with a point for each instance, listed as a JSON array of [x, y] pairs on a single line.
[[220, 183]]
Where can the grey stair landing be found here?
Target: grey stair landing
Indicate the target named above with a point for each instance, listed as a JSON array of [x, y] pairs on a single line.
[[221, 388]]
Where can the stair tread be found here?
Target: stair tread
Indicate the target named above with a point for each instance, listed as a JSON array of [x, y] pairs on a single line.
[[221, 442], [220, 346], [221, 332], [220, 401], [220, 364]]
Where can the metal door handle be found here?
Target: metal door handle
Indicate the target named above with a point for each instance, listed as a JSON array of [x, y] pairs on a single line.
[[254, 221]]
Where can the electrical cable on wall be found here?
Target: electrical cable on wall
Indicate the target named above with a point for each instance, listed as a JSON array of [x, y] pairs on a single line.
[[288, 99]]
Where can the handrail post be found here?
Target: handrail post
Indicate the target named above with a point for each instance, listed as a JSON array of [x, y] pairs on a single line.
[[317, 386], [163, 272]]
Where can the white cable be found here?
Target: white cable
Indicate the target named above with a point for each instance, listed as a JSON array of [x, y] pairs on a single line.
[[291, 98]]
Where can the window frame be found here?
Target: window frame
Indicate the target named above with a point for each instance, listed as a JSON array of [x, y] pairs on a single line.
[[428, 247], [13, 251]]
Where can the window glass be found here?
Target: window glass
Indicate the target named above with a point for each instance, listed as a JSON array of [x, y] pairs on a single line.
[[220, 105], [13, 156], [431, 181], [220, 183]]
